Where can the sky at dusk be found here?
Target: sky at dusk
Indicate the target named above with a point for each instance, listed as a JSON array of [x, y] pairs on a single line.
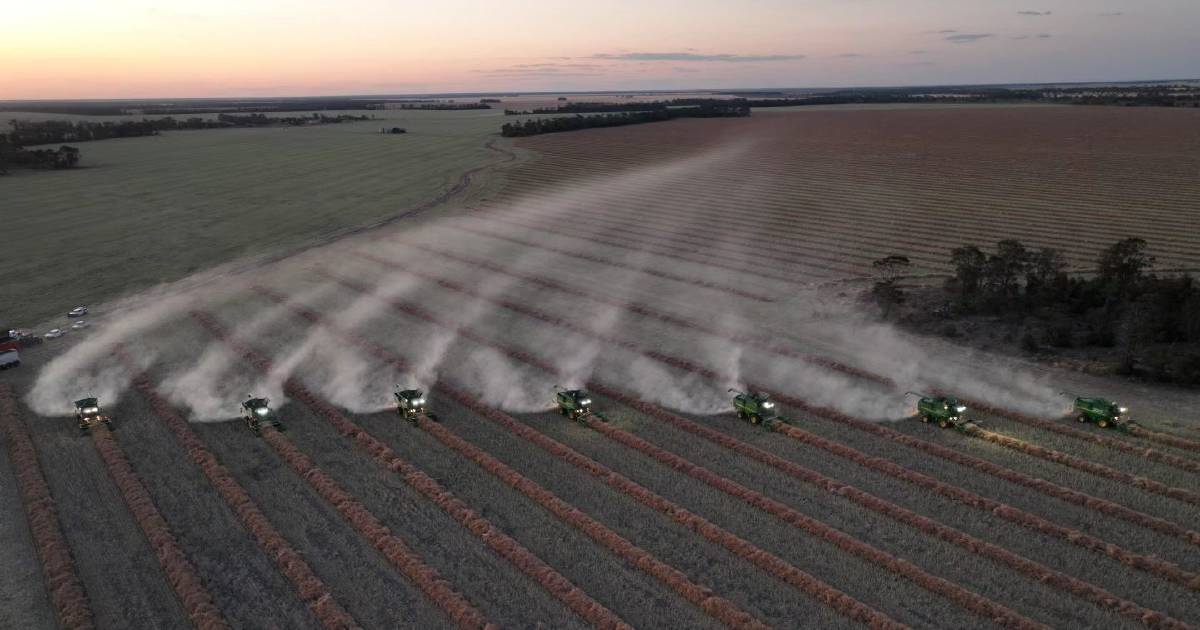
[[133, 48]]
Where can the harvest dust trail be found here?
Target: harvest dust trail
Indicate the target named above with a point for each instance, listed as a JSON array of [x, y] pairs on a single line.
[[209, 388]]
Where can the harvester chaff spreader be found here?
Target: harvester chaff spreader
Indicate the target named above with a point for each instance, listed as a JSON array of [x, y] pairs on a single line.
[[257, 413], [87, 412], [756, 408], [946, 411], [575, 404], [411, 405], [1105, 413]]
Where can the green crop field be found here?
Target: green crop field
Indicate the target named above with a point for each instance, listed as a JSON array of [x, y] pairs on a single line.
[[155, 209]]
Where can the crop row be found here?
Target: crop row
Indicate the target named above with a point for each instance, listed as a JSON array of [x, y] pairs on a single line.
[[314, 592], [962, 597], [1099, 470], [1056, 427], [181, 575], [1169, 440], [700, 595], [425, 577], [58, 567], [508, 548], [1048, 488], [435, 587]]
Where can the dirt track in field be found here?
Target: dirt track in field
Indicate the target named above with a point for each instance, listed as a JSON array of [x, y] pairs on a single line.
[[658, 265]]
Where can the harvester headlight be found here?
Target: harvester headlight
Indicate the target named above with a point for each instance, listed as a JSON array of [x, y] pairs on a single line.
[[262, 411], [586, 401], [960, 408], [91, 410], [419, 401], [1122, 409], [768, 405]]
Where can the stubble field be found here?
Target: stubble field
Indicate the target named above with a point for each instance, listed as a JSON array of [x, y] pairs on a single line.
[[631, 261]]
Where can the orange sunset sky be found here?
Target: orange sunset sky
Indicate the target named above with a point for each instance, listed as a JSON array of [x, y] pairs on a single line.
[[131, 48]]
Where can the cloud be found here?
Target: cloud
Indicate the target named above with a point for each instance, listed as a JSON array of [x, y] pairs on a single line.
[[691, 57], [968, 38], [1038, 36], [944, 31], [678, 69], [1112, 14], [1033, 13], [919, 51], [848, 56]]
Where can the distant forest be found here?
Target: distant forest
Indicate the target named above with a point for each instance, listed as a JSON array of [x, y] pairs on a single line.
[[536, 126], [14, 154], [1139, 95]]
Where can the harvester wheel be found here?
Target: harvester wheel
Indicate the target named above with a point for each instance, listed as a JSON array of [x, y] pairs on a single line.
[[755, 419], [925, 419], [741, 415], [1082, 418], [1103, 423], [944, 423]]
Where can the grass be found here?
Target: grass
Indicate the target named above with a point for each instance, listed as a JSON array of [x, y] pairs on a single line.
[[149, 210]]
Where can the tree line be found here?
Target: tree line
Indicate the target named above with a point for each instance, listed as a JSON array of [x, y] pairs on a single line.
[[13, 156], [536, 126], [1149, 320]]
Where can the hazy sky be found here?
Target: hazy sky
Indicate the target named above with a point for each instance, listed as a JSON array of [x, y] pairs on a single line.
[[137, 48]]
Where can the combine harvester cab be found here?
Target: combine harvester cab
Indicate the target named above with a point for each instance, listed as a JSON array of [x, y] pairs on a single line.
[[1105, 413], [946, 411], [257, 413], [756, 408], [576, 404], [411, 405], [87, 412]]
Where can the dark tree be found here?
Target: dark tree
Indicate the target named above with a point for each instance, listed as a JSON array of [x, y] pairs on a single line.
[[970, 263], [1123, 264]]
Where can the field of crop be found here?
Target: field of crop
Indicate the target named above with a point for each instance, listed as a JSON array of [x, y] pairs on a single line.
[[633, 262], [142, 211]]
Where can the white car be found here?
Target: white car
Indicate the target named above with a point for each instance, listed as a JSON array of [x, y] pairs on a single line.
[[78, 311], [80, 325], [54, 334]]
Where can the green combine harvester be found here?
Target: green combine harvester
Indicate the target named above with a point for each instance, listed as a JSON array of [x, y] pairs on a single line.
[[1104, 413], [946, 411], [410, 404], [87, 412], [575, 404], [257, 413], [756, 408]]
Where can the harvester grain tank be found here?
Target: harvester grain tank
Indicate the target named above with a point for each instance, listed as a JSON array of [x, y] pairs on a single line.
[[756, 408], [257, 413], [946, 411], [411, 405], [88, 413], [575, 404], [1105, 413]]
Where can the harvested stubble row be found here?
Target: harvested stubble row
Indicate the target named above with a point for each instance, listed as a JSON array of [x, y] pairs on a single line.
[[291, 564], [381, 538], [520, 557], [1099, 470], [716, 606], [1057, 427], [1048, 488], [58, 567], [1082, 589], [1169, 440], [181, 575], [1041, 573]]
